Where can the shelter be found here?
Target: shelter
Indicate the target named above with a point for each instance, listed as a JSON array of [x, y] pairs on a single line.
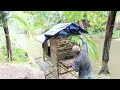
[[56, 45]]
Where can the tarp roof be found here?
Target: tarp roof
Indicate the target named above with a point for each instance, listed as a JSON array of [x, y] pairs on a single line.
[[41, 38], [57, 28], [60, 29]]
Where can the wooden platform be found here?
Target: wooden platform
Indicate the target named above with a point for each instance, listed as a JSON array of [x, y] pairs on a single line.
[[65, 67], [49, 70]]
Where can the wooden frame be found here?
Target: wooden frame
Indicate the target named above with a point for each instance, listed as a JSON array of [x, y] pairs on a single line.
[[55, 58]]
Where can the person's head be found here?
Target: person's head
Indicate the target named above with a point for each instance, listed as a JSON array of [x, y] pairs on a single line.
[[76, 49]]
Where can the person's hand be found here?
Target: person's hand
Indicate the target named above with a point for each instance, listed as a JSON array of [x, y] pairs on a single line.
[[81, 36]]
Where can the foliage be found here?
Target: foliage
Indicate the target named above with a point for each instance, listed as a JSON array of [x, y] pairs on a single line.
[[73, 16], [20, 55], [3, 17], [47, 18], [23, 21], [92, 46], [36, 22], [97, 19], [23, 18], [116, 34], [39, 21], [97, 35], [3, 49], [3, 53]]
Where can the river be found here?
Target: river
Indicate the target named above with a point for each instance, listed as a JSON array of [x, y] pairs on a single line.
[[34, 49], [114, 57]]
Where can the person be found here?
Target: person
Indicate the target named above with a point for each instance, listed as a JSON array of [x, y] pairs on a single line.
[[82, 62]]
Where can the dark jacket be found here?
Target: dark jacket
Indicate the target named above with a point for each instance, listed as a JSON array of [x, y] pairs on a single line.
[[82, 62]]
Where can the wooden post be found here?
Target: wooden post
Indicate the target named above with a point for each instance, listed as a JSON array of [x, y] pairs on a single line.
[[45, 49]]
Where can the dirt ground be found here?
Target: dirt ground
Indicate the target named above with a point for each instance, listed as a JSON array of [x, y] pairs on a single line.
[[19, 71], [70, 76]]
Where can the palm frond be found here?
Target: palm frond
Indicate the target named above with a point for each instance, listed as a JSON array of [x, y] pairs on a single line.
[[22, 21], [92, 46]]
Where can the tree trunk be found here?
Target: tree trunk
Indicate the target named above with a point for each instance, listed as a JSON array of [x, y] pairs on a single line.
[[8, 43], [107, 42]]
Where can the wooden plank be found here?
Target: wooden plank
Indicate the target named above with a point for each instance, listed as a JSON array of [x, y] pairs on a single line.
[[49, 70], [71, 71]]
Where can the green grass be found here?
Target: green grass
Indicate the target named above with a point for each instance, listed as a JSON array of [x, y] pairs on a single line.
[[20, 55]]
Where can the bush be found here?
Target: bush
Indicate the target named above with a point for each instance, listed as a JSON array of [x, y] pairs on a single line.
[[3, 53], [20, 55], [116, 34]]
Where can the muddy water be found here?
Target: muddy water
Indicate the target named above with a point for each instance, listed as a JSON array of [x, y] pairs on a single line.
[[34, 49], [115, 58], [114, 62]]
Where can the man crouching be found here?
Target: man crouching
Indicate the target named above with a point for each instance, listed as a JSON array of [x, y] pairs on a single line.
[[82, 62]]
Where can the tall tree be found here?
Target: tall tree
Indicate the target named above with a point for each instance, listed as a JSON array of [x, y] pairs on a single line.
[[3, 16], [107, 42]]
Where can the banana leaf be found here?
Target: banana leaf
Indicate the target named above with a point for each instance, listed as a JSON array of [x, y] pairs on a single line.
[[92, 45]]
